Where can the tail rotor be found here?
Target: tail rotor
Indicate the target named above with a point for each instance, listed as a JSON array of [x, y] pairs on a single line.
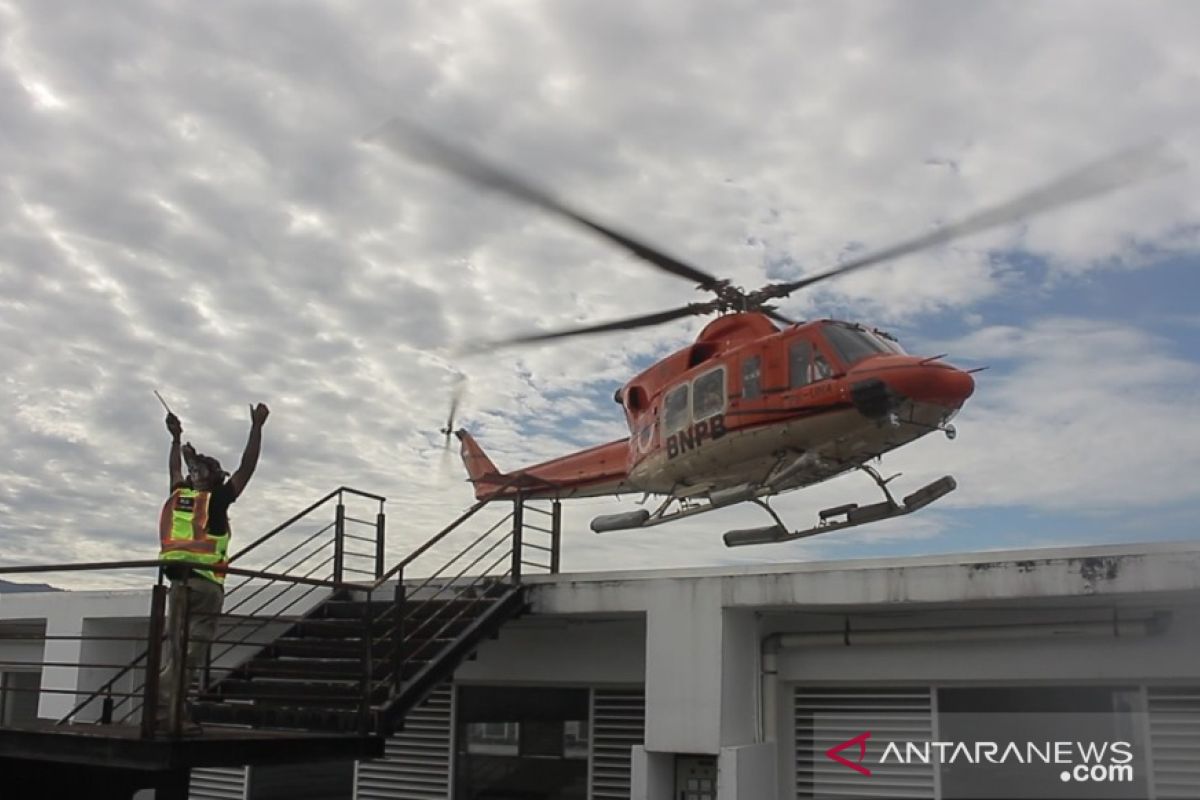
[[456, 397]]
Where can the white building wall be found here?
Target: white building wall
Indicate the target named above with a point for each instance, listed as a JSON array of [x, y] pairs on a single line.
[[578, 652], [685, 649], [747, 772], [1173, 655], [740, 668]]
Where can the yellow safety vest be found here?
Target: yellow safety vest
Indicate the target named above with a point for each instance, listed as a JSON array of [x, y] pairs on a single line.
[[183, 532]]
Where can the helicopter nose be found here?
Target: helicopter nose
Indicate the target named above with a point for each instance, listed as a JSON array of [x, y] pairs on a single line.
[[920, 381], [949, 386], [939, 384]]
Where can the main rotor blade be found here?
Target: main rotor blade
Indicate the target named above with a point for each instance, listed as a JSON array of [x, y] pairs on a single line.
[[400, 135], [642, 321], [1095, 179]]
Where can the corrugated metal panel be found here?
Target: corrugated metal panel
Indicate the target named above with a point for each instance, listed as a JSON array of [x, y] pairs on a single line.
[[826, 717], [218, 783], [618, 723], [417, 761], [1175, 741]]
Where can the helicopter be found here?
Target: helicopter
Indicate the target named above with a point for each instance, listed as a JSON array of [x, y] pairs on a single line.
[[758, 404]]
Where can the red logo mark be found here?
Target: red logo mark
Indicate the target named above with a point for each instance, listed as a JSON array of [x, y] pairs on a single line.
[[861, 741]]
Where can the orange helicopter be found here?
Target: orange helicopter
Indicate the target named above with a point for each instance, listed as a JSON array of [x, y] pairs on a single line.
[[752, 408]]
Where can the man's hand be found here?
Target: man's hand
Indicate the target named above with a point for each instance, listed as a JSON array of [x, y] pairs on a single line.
[[259, 414], [173, 426]]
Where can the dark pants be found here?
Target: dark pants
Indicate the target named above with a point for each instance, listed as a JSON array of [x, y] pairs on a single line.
[[199, 601]]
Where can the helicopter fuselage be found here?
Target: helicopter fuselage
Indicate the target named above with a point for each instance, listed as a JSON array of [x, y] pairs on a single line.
[[750, 405]]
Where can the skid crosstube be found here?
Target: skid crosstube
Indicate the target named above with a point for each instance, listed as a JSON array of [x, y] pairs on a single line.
[[854, 514]]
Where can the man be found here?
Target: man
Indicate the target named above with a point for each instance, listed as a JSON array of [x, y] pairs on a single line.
[[194, 534]]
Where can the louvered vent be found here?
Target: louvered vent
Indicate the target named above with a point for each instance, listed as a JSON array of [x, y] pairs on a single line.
[[416, 763], [618, 723], [1175, 741], [827, 717], [218, 783]]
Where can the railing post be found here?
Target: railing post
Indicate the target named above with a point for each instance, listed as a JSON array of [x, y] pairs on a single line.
[[180, 674], [379, 532], [368, 677], [555, 536], [399, 610], [339, 530], [518, 530], [158, 605], [106, 708]]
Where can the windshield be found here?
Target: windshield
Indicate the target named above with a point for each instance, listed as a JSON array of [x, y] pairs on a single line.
[[853, 343]]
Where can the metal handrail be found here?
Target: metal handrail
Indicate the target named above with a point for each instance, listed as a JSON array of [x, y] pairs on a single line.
[[304, 513], [470, 512], [99, 566], [437, 537]]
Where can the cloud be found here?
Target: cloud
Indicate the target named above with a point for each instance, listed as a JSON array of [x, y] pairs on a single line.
[[189, 205]]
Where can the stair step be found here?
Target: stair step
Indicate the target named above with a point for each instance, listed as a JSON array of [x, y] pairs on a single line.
[[351, 609], [421, 609], [348, 648], [420, 629], [325, 719], [337, 628], [296, 647], [299, 692], [417, 608], [345, 630], [347, 669]]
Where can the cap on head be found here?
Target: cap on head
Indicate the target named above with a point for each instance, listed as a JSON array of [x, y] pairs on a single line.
[[213, 465], [205, 469]]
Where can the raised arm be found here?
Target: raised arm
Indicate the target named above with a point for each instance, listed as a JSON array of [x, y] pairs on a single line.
[[174, 461], [239, 479]]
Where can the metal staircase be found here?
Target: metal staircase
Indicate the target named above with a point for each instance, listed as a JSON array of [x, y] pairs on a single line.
[[315, 676], [302, 646]]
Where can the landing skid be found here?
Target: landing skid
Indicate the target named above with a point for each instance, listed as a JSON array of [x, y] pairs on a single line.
[[847, 516], [831, 519]]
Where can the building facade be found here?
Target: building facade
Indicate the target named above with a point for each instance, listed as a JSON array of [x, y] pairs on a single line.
[[840, 679]]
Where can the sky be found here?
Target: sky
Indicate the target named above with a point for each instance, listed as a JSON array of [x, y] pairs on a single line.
[[191, 203]]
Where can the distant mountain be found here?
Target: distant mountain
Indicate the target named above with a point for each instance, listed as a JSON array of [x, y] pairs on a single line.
[[9, 586]]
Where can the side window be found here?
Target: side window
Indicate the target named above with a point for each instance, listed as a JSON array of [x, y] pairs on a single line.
[[799, 358], [751, 377], [708, 396], [675, 409]]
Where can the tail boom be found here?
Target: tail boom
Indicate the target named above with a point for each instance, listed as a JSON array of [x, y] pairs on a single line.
[[599, 470]]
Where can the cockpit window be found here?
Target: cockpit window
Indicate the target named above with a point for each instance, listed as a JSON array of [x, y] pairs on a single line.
[[675, 409], [853, 344], [806, 366]]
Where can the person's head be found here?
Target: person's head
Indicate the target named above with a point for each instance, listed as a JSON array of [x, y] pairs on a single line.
[[204, 472]]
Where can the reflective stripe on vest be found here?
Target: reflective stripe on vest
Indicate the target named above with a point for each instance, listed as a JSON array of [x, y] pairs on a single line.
[[184, 536]]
